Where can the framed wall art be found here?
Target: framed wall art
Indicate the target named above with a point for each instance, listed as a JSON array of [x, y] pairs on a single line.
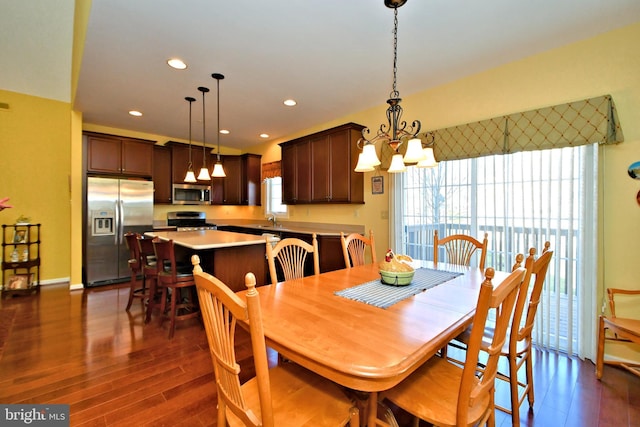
[[377, 185]]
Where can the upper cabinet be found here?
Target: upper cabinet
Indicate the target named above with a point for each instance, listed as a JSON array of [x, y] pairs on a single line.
[[319, 168], [162, 175], [180, 160], [107, 154], [242, 185]]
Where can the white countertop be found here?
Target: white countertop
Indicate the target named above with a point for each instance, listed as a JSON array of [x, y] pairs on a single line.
[[208, 239]]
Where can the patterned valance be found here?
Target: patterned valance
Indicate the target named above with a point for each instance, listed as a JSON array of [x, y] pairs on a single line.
[[588, 121], [271, 170]]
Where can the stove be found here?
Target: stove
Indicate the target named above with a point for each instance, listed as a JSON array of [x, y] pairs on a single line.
[[189, 221]]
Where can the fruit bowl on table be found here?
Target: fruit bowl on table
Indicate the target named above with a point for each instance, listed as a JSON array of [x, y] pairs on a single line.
[[396, 278]]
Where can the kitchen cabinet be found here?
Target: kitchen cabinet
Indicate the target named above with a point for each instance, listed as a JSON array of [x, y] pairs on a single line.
[[329, 246], [329, 251], [109, 154], [296, 172], [319, 168], [20, 258], [180, 161], [242, 185], [162, 175]]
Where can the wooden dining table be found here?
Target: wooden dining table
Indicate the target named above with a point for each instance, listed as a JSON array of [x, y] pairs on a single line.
[[361, 346]]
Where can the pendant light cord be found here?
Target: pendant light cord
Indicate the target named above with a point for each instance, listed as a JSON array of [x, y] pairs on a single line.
[[190, 99], [218, 80]]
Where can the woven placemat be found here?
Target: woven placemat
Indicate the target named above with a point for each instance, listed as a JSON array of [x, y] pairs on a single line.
[[380, 295]]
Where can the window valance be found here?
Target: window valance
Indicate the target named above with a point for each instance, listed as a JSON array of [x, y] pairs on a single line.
[[271, 170], [587, 121]]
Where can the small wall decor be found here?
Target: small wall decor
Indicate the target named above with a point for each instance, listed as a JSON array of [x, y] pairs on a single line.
[[634, 170], [377, 185]]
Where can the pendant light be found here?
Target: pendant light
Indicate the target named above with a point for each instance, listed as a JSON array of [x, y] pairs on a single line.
[[204, 171], [190, 177], [218, 170]]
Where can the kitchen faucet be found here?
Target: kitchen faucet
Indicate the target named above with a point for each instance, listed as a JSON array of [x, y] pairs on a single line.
[[273, 220]]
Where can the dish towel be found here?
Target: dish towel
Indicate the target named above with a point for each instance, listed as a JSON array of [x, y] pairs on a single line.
[[380, 295]]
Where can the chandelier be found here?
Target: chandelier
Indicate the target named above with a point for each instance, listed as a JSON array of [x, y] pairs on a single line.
[[395, 131]]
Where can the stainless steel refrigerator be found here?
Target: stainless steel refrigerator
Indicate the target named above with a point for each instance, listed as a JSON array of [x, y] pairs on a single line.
[[114, 207]]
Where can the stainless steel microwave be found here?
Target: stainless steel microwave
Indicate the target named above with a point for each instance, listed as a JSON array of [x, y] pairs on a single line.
[[191, 194]]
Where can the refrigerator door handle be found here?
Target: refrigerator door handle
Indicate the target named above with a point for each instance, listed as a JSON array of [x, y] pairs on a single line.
[[119, 222]]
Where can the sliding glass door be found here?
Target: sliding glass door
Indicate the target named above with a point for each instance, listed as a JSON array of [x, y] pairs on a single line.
[[520, 200]]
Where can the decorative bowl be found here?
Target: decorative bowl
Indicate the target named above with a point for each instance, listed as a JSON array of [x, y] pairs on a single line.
[[396, 278]]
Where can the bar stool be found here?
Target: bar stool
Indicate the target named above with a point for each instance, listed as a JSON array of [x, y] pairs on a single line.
[[172, 278], [149, 271], [135, 267]]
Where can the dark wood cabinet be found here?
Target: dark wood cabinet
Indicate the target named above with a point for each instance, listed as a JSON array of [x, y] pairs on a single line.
[[319, 168], [242, 184], [108, 154], [162, 175], [296, 172], [180, 161]]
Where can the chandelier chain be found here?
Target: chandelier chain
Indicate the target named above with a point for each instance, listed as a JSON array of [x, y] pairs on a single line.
[[394, 93]]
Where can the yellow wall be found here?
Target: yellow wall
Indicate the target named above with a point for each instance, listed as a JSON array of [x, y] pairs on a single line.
[[35, 155]]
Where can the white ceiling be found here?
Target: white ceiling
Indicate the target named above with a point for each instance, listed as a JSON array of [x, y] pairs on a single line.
[[333, 57]]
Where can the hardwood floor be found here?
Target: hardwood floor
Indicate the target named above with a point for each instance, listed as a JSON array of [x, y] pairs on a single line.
[[83, 349]]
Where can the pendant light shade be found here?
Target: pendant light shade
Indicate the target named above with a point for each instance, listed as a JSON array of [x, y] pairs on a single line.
[[204, 170], [429, 160], [414, 151], [218, 170], [397, 165], [190, 176], [362, 165]]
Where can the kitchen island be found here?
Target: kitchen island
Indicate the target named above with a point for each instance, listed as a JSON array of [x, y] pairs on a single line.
[[226, 255]]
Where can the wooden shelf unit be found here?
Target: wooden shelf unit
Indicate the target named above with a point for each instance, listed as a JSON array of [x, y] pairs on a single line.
[[20, 258]]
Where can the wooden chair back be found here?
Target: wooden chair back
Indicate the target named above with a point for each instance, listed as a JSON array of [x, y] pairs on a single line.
[[501, 299], [291, 254], [615, 328], [147, 253], [135, 260], [354, 247], [460, 248], [165, 259], [221, 310], [535, 268]]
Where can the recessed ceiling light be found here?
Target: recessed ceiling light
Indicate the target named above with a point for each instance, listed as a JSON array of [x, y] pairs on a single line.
[[176, 63], [264, 135], [224, 131], [290, 102], [135, 113]]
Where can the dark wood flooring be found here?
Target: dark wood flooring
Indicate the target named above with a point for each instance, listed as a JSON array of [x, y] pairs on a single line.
[[83, 349]]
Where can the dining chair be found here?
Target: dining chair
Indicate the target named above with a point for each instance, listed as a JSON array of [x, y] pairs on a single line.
[[149, 271], [460, 249], [291, 254], [135, 267], [172, 278], [286, 395], [354, 247], [444, 393], [518, 348], [622, 329]]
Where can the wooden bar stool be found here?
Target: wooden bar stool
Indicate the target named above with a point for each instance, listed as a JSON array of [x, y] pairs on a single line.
[[149, 271], [135, 267], [172, 278]]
